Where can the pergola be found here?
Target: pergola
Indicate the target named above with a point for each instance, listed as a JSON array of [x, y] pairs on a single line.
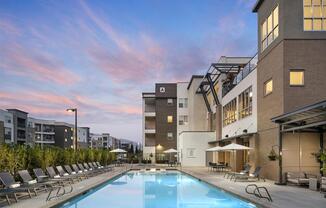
[[311, 118], [211, 77]]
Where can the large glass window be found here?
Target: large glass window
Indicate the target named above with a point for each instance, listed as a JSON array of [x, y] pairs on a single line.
[[183, 102], [245, 103], [314, 15], [269, 29], [296, 77], [230, 112]]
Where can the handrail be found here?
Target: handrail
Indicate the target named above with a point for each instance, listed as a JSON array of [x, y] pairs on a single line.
[[257, 192]]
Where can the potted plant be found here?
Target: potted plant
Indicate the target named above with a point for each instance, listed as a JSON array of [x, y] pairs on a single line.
[[272, 155], [318, 155]]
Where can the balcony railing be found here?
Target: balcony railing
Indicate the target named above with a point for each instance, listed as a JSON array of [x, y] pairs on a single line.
[[247, 69]]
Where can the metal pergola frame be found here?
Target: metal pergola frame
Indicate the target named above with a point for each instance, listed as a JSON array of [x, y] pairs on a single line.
[[211, 78], [311, 119]]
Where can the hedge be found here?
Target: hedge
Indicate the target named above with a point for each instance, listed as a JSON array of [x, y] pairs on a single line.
[[20, 157]]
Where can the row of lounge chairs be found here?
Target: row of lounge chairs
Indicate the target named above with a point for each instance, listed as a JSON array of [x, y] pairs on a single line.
[[58, 180]]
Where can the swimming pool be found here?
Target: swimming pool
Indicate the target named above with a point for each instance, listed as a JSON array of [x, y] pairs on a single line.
[[157, 190]]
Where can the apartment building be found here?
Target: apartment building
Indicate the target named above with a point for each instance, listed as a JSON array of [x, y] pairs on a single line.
[[64, 134], [160, 121], [2, 133], [40, 131], [291, 74], [253, 97], [19, 126], [8, 127]]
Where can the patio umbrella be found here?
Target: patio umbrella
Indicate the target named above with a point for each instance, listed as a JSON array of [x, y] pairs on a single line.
[[170, 151], [118, 151], [234, 147], [214, 149]]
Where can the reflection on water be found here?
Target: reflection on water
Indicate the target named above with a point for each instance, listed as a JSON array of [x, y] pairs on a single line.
[[153, 190]]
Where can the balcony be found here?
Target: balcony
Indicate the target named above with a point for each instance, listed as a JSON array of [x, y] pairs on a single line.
[[246, 70], [149, 114], [150, 131]]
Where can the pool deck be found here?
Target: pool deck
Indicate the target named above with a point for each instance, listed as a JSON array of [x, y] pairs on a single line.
[[80, 187], [283, 196]]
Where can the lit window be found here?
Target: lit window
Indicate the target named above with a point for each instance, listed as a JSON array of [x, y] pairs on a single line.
[[296, 78], [268, 88], [270, 29], [170, 119], [245, 103], [230, 112], [66, 130], [314, 14], [170, 101]]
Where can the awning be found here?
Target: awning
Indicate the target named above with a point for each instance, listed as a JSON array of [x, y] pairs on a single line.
[[234, 146], [311, 118]]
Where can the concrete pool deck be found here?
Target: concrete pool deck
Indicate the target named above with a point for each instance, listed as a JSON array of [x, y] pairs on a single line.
[[80, 187], [283, 196]]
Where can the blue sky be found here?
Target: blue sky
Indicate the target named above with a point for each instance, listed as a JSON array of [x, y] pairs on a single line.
[[100, 55]]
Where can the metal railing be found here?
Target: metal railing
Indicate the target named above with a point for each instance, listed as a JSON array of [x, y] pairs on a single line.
[[246, 70]]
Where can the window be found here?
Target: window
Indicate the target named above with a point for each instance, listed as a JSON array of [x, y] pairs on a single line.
[[245, 103], [296, 78], [269, 29], [230, 112], [183, 120], [170, 101], [314, 15], [8, 119], [170, 119], [170, 136], [268, 87], [183, 102]]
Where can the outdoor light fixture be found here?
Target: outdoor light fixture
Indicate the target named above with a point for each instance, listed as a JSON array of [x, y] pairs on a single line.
[[245, 131], [75, 133], [227, 136], [250, 94]]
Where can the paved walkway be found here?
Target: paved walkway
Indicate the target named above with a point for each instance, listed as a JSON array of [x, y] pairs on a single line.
[[283, 196], [80, 187]]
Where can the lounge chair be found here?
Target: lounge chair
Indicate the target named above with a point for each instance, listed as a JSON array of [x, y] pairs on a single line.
[[245, 171], [14, 188], [85, 171], [53, 175], [255, 175], [71, 172], [297, 178], [101, 170], [64, 174], [27, 179]]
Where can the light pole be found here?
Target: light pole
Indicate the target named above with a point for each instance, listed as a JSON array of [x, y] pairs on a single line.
[[75, 133]]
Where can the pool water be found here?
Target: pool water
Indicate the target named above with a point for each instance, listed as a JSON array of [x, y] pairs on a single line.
[[157, 190]]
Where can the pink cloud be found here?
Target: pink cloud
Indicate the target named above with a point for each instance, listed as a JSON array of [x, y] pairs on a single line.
[[135, 60], [40, 66], [7, 27]]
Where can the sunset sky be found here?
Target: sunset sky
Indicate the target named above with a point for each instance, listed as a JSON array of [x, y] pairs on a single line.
[[99, 56]]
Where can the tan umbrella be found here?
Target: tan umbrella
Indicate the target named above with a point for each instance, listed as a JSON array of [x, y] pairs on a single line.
[[234, 147]]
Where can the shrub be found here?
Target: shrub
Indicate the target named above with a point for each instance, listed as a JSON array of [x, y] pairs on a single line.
[[18, 157]]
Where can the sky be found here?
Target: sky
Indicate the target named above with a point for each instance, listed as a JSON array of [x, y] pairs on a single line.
[[99, 56]]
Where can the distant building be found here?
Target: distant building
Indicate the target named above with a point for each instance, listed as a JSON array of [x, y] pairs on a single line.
[[8, 126], [2, 133], [82, 135], [41, 131], [64, 134], [20, 126]]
